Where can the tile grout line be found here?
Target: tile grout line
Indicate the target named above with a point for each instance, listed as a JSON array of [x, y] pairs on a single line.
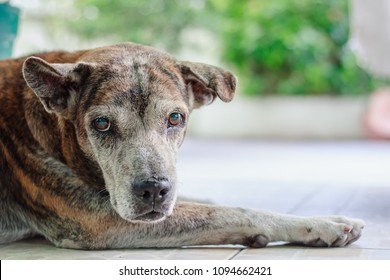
[[237, 253]]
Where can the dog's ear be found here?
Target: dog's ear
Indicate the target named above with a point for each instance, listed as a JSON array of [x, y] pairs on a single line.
[[55, 84], [206, 82]]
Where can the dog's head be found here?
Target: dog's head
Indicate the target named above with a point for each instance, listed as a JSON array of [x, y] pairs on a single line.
[[129, 105]]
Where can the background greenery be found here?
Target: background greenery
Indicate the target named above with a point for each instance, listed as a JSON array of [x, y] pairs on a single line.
[[295, 47]]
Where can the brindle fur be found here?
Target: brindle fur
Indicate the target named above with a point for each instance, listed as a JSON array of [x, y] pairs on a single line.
[[81, 188]]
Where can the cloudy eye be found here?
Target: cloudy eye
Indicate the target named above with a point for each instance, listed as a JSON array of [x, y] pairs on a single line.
[[101, 124], [175, 119]]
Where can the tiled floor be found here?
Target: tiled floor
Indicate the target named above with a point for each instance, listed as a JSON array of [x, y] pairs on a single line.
[[306, 178]]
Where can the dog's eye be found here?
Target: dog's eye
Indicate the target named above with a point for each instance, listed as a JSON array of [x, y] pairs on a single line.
[[101, 124], [175, 119]]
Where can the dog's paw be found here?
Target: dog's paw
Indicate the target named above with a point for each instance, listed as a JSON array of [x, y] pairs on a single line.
[[256, 241], [335, 231]]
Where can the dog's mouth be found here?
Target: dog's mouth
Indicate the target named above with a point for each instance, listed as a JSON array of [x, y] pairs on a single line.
[[151, 216]]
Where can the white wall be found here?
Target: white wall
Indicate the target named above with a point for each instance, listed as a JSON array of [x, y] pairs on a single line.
[[282, 118]]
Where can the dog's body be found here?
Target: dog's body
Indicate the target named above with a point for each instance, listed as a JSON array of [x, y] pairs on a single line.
[[88, 142]]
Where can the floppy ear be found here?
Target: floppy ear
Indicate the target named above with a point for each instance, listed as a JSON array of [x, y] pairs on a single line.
[[206, 82], [55, 83]]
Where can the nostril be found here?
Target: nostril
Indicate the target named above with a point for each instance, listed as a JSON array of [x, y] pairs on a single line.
[[147, 195], [163, 192]]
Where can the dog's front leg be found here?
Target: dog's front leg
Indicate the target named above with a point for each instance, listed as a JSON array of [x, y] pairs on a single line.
[[198, 224]]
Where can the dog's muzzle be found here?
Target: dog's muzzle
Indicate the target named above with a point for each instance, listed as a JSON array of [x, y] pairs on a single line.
[[154, 198]]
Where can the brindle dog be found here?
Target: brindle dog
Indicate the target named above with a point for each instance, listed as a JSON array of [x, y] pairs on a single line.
[[88, 144]]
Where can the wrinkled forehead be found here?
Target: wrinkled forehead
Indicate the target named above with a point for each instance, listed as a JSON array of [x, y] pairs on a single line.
[[135, 81]]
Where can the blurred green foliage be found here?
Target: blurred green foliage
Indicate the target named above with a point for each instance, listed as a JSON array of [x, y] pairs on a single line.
[[294, 47], [152, 22]]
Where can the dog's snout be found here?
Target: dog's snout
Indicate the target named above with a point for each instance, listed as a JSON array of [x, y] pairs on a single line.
[[152, 191]]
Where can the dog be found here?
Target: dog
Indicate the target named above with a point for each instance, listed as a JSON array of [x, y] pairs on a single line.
[[88, 144]]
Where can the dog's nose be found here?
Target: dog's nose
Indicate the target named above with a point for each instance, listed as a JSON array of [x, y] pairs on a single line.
[[152, 191]]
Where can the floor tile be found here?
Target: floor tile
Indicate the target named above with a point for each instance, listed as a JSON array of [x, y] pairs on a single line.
[[42, 249], [299, 253]]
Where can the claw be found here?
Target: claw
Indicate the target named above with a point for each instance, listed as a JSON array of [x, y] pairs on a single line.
[[348, 229]]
